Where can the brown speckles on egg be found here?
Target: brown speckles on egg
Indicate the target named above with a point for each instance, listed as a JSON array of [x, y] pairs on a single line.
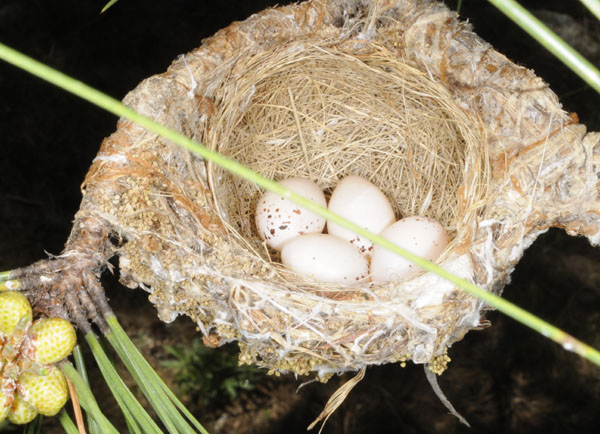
[[287, 219]]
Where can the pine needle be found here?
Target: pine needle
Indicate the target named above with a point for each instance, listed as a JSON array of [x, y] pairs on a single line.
[[87, 400], [135, 414], [80, 365], [160, 396], [67, 423]]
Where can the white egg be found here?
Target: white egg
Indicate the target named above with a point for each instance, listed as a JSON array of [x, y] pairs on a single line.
[[326, 258], [422, 236], [279, 219], [361, 202]]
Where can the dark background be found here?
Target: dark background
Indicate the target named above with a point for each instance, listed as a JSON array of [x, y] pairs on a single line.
[[505, 379]]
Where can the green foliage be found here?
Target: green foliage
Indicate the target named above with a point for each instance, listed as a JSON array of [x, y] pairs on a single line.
[[210, 376], [108, 5]]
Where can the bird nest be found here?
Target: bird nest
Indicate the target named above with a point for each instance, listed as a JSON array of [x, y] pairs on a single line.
[[401, 93]]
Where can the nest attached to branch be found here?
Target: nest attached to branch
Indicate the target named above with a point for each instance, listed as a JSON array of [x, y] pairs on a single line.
[[399, 92]]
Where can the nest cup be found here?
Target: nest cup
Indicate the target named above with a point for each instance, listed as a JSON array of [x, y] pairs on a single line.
[[323, 113]]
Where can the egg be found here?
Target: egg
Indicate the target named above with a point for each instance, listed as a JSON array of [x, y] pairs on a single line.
[[279, 219], [326, 258], [421, 236], [361, 202]]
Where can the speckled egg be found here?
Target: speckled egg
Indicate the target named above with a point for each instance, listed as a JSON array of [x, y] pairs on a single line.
[[279, 219], [361, 202], [421, 236], [326, 258]]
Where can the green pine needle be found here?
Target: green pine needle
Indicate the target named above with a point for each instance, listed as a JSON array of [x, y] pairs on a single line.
[[593, 6], [149, 389], [80, 365], [67, 423], [87, 400], [551, 41], [160, 396], [135, 415], [108, 5], [116, 328]]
